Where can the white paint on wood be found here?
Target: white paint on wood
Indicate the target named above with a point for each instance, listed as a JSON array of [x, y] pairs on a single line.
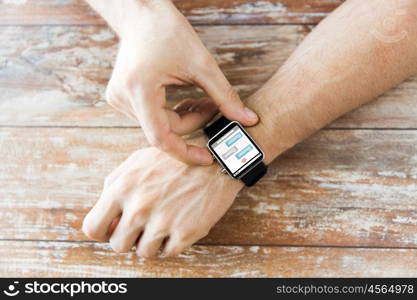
[[56, 75], [64, 259]]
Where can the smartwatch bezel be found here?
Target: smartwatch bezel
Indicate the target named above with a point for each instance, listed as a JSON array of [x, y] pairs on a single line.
[[219, 135]]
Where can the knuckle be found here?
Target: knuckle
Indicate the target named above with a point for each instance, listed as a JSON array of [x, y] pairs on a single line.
[[157, 140], [137, 218], [134, 84], [162, 226], [192, 235], [113, 98], [158, 226], [202, 234], [231, 94], [112, 92], [129, 178], [149, 175], [108, 180], [116, 193], [130, 83], [154, 141], [122, 187], [185, 235], [231, 100], [166, 146], [205, 62]]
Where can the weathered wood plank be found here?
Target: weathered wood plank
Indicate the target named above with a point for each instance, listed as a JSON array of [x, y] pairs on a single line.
[[74, 64], [198, 12], [63, 259], [56, 76], [341, 187]]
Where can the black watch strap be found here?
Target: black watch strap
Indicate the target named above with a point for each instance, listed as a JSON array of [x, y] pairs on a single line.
[[216, 126], [257, 172]]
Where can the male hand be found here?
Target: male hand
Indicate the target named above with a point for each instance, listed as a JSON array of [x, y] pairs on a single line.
[[159, 48], [153, 198]]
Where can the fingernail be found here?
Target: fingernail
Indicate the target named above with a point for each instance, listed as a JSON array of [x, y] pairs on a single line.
[[250, 114]]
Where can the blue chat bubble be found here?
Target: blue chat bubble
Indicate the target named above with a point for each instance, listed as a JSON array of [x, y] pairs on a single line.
[[234, 139], [244, 151]]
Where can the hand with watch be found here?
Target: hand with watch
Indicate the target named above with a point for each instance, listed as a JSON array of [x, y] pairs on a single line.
[[174, 202], [155, 202], [168, 203]]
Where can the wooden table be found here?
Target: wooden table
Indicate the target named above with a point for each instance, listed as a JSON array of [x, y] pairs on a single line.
[[343, 203]]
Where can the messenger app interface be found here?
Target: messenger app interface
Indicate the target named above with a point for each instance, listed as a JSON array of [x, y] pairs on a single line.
[[235, 149]]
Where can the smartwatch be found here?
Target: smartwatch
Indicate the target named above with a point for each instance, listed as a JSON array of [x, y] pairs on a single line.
[[235, 151]]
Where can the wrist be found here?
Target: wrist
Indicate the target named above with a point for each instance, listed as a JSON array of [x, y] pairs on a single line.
[[274, 137], [273, 143], [286, 116]]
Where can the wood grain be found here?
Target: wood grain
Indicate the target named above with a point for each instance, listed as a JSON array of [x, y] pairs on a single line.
[[340, 188], [198, 12], [63, 259], [56, 76]]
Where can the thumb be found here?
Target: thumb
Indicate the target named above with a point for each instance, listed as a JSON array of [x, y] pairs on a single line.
[[218, 88]]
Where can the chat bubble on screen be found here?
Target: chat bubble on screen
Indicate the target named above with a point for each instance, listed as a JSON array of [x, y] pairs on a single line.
[[244, 151], [234, 139], [229, 153]]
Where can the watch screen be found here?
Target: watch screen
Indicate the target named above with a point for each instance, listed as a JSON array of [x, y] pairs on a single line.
[[235, 149]]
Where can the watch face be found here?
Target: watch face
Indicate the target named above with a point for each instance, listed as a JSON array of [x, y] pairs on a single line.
[[235, 150]]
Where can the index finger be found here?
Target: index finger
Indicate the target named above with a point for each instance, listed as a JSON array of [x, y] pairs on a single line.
[[156, 126], [179, 149]]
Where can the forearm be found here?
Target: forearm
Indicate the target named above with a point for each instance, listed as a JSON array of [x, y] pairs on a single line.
[[348, 60]]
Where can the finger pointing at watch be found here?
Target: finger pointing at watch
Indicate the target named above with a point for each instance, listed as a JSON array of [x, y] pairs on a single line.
[[159, 48], [163, 127]]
